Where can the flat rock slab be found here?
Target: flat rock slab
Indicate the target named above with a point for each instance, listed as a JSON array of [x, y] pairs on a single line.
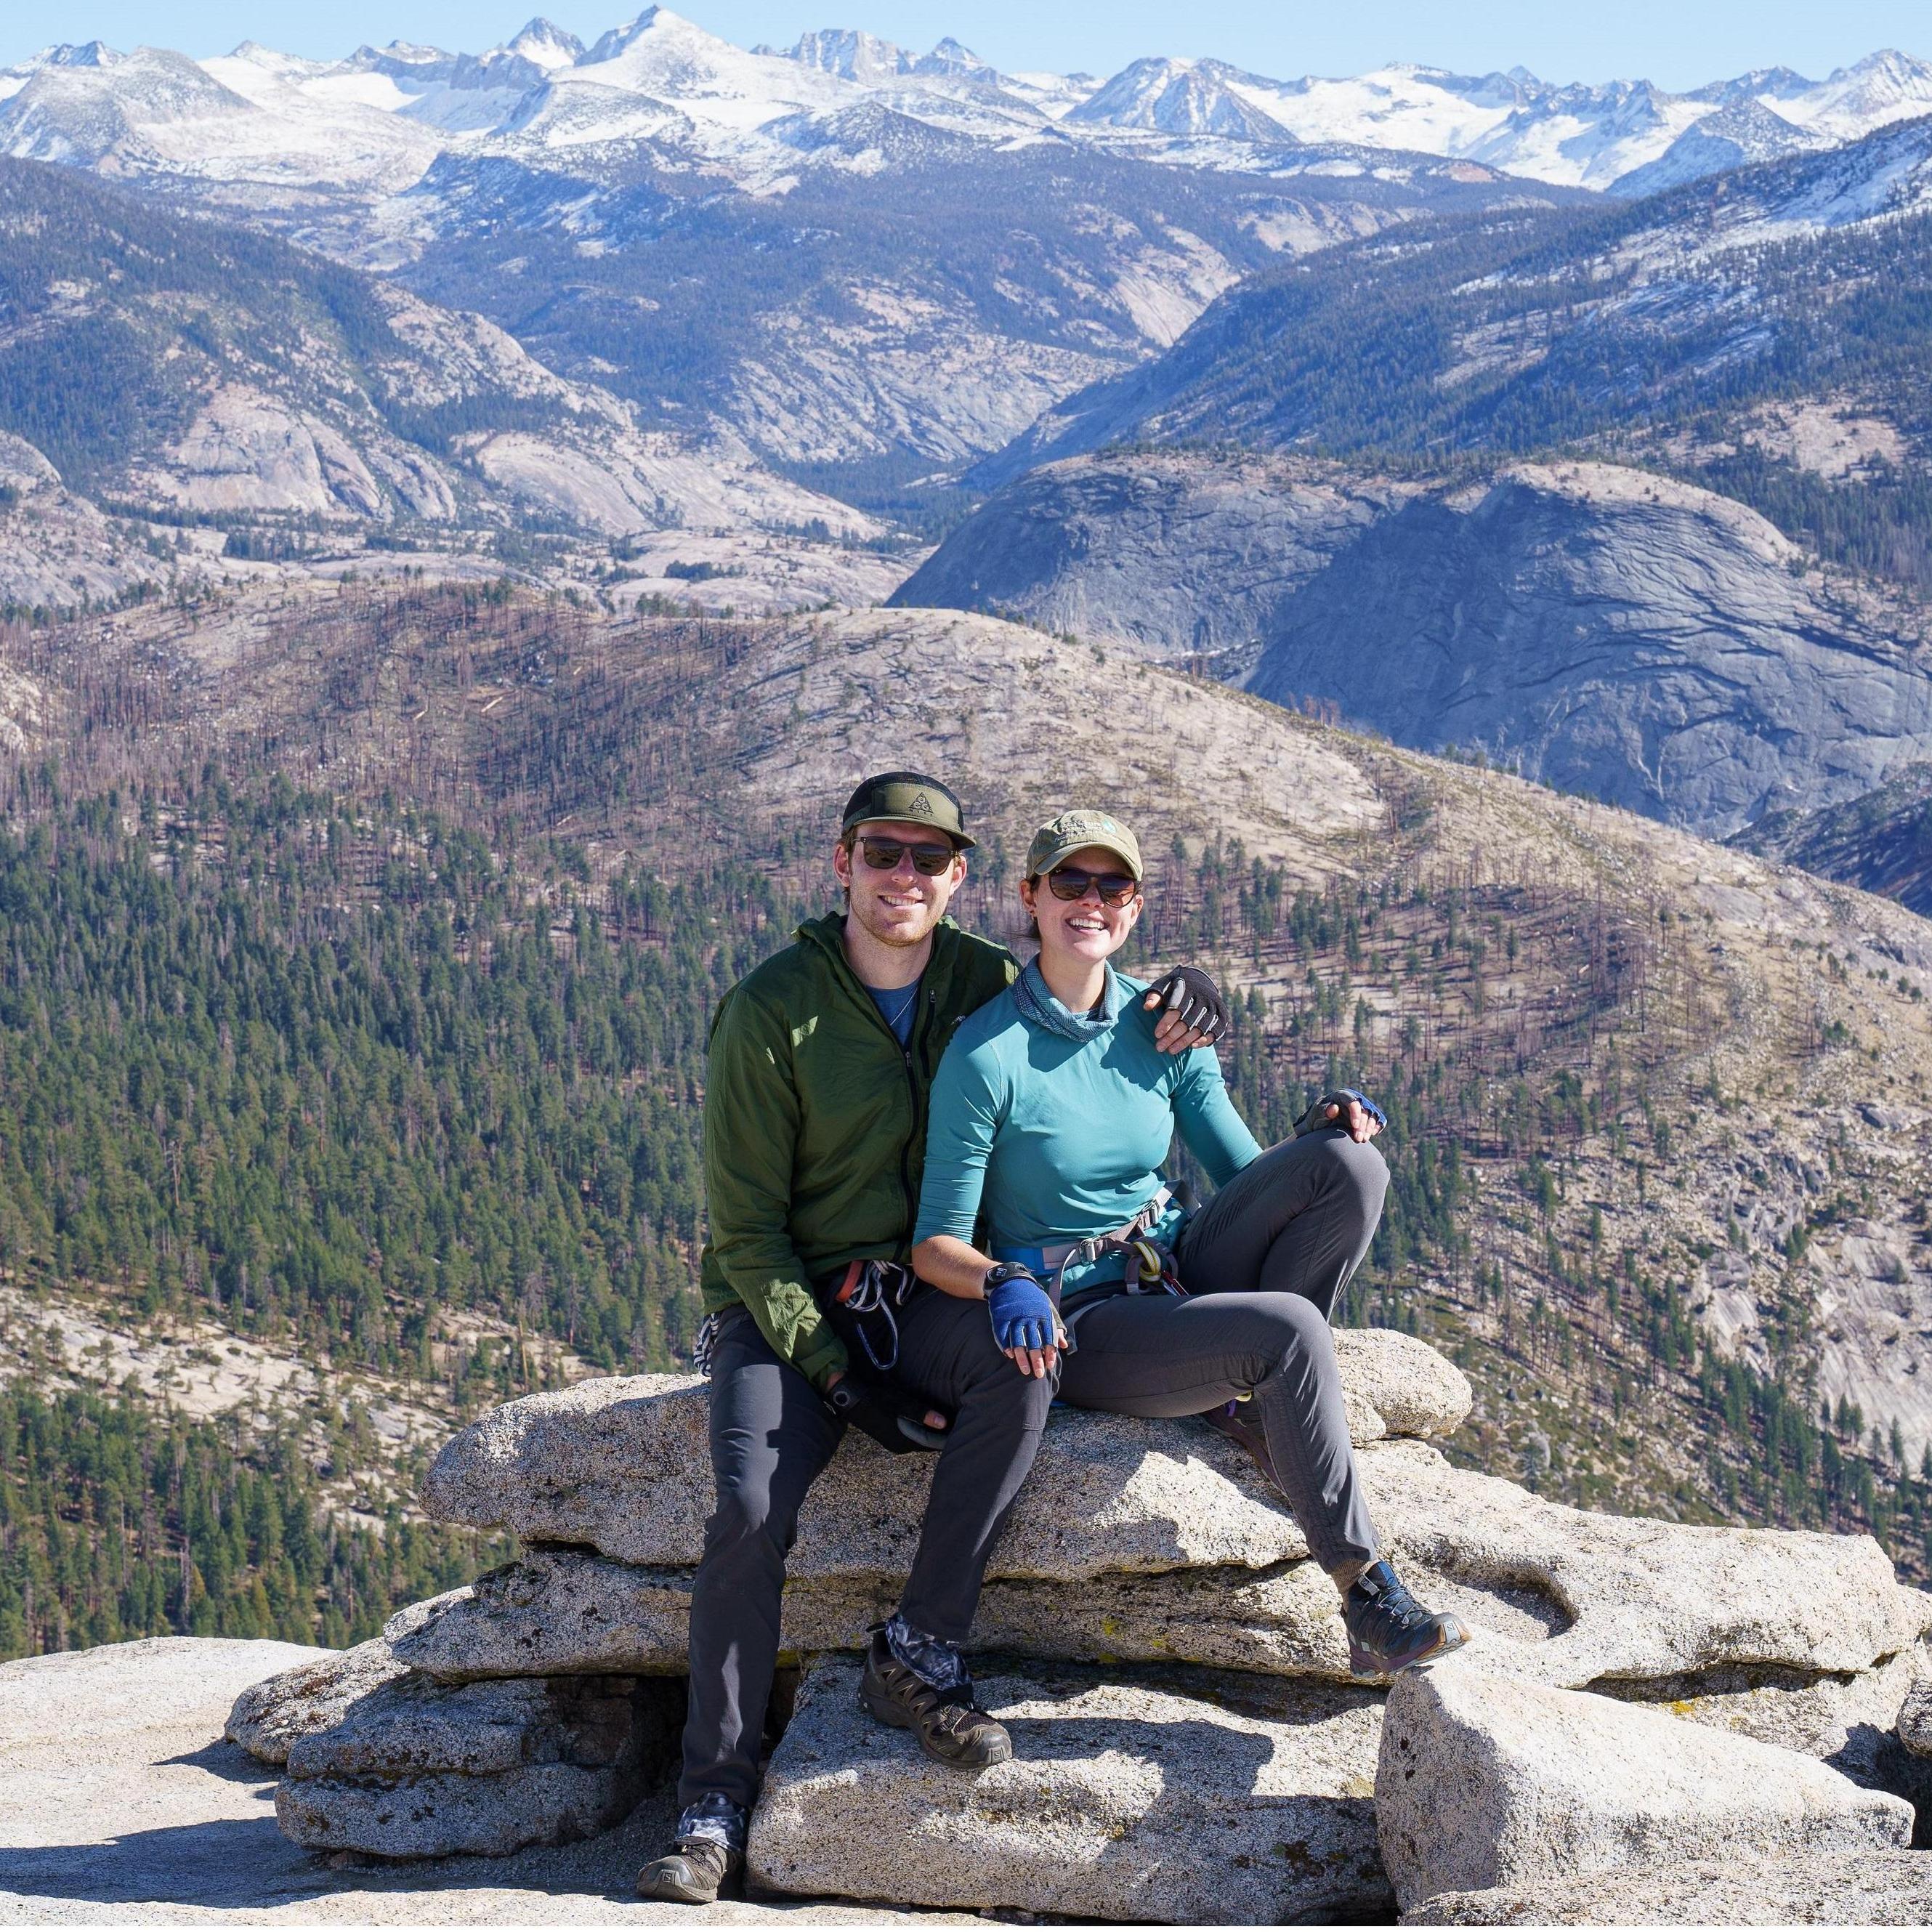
[[1825, 1714], [1825, 1888], [268, 1717], [120, 1803], [557, 1612], [1485, 1781], [415, 1769], [1638, 1599], [622, 1464], [1200, 1801]]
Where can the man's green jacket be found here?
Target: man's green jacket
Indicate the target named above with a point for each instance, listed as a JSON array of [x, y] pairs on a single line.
[[815, 1125]]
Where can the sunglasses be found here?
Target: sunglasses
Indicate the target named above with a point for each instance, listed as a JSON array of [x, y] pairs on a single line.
[[884, 855], [1070, 883]]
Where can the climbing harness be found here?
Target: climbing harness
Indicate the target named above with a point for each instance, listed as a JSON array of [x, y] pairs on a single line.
[[867, 1294], [1148, 1267]]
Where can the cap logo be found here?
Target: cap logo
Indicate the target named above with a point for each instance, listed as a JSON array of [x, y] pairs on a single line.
[[921, 805]]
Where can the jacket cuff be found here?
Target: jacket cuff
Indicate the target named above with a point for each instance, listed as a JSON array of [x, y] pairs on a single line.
[[824, 1357]]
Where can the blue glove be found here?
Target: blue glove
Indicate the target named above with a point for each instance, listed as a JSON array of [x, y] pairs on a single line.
[[1022, 1312]]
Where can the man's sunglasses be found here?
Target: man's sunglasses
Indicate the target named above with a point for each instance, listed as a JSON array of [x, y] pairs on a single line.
[[1070, 883], [884, 855]]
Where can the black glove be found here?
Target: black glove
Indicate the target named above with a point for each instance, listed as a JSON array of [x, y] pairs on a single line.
[[893, 1420], [1189, 992]]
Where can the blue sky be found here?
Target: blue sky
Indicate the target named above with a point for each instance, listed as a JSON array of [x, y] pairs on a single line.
[[1675, 43]]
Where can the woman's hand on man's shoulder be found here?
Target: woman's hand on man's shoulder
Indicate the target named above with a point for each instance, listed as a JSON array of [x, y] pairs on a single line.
[[1192, 1012]]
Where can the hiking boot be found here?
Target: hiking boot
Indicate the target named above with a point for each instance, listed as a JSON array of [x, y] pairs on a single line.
[[1238, 1422], [1389, 1631], [707, 1853], [948, 1724], [692, 1872]]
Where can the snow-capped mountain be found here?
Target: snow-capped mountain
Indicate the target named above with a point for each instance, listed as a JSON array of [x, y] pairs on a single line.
[[1171, 96], [1579, 136], [380, 119], [856, 254]]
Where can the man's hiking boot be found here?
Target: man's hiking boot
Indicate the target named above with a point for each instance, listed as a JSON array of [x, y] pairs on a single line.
[[692, 1872], [1389, 1631], [949, 1726], [707, 1854], [1238, 1422]]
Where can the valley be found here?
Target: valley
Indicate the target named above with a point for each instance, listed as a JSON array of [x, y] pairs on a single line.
[[464, 519], [1660, 1112]]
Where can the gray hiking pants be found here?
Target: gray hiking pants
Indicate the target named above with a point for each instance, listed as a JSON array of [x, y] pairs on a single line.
[[1263, 1262], [771, 1435]]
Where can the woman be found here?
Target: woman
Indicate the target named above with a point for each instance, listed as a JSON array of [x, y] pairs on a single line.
[[1051, 1115]]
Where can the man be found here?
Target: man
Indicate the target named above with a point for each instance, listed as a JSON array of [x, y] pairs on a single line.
[[821, 1064]]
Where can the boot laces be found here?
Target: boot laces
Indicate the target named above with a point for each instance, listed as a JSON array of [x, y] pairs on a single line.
[[1389, 1603]]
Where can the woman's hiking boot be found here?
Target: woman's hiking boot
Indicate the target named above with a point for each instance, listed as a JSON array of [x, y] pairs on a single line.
[[707, 1854], [1238, 1422], [1389, 1631], [948, 1725]]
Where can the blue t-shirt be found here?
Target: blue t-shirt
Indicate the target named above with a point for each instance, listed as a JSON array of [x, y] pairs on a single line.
[[898, 1005], [1060, 1139]]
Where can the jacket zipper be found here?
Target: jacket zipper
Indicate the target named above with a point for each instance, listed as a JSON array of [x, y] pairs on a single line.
[[903, 1251]]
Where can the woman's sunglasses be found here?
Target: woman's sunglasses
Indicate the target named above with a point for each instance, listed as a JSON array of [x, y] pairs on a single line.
[[1070, 883], [884, 855]]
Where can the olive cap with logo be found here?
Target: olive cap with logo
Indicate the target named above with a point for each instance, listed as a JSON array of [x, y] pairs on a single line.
[[911, 798], [1060, 837]]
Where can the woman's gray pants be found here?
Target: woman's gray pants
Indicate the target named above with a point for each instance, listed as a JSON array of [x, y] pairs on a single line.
[[771, 1436], [1263, 1263]]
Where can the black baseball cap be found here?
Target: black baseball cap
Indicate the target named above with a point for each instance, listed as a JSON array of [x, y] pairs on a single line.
[[911, 797]]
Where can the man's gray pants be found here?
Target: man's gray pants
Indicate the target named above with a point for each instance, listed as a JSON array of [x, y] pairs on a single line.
[[771, 1436], [1263, 1263]]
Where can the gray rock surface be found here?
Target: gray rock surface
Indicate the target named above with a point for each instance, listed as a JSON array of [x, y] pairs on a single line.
[[1838, 1716], [1863, 1887], [1406, 1387], [415, 1769], [1162, 554], [1112, 1497], [557, 1612], [570, 1465], [268, 1717], [441, 1814], [1639, 1598], [1207, 1804], [1484, 1781], [1614, 633], [123, 1805], [1914, 1715]]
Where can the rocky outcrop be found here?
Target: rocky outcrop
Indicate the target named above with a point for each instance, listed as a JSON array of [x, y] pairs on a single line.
[[1609, 632], [1191, 1745], [413, 1769], [562, 1611], [1162, 554], [1564, 1596], [1205, 1805], [571, 1465], [1483, 1781]]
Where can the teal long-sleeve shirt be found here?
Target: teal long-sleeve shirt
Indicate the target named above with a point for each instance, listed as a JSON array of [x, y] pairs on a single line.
[[1057, 1139]]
